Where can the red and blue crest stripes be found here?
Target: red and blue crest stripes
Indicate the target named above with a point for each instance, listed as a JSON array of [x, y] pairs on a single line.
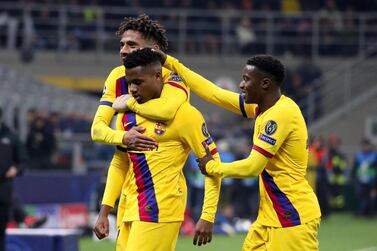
[[286, 212], [148, 207], [129, 120], [121, 86]]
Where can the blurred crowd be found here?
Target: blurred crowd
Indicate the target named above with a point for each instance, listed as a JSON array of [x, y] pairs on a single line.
[[339, 27], [275, 5], [341, 183]]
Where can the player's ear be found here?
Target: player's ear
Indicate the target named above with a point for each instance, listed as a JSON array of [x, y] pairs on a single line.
[[156, 47], [266, 82], [158, 75]]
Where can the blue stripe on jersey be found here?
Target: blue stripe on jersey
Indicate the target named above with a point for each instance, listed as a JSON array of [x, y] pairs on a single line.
[[108, 103], [286, 212], [242, 106]]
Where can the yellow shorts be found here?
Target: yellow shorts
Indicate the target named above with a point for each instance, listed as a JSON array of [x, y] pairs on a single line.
[[147, 236], [301, 238]]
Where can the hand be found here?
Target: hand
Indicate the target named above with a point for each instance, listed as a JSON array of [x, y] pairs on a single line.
[[202, 162], [101, 228], [12, 172], [162, 55], [203, 232], [136, 140], [120, 103]]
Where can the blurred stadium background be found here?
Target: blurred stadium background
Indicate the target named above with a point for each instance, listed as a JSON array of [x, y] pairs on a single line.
[[55, 56]]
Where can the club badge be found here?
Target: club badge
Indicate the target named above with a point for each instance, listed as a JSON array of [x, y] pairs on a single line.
[[159, 128]]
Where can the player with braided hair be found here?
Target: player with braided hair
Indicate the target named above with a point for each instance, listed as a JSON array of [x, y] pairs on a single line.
[[136, 33]]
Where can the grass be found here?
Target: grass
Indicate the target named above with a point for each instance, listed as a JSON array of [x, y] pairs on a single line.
[[341, 232]]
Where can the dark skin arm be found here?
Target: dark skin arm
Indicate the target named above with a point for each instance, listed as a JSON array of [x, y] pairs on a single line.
[[203, 232], [136, 140], [202, 162], [101, 228]]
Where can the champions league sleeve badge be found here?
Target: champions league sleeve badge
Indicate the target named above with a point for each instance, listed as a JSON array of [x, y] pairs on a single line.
[[205, 130], [270, 127]]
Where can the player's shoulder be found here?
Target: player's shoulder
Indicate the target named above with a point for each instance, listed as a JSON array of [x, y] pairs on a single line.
[[118, 71], [170, 76], [285, 106], [187, 112]]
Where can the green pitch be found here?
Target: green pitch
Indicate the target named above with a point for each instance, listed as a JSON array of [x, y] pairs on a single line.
[[340, 232]]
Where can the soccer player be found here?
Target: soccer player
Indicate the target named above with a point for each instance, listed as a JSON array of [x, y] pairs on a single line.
[[156, 197], [289, 214], [134, 33]]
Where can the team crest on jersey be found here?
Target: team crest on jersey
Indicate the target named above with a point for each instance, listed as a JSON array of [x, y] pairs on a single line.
[[270, 127], [175, 77], [205, 130], [159, 128]]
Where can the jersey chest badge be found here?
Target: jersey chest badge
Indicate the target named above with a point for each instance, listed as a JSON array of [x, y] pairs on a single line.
[[159, 128]]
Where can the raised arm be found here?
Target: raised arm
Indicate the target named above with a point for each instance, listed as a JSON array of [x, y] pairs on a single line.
[[209, 91], [173, 94]]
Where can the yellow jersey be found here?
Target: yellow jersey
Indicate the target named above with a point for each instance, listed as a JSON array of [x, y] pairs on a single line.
[[157, 188], [279, 154]]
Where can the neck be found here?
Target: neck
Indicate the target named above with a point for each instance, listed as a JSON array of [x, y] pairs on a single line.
[[269, 100]]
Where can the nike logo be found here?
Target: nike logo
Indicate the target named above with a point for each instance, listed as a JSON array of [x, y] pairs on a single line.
[[125, 125]]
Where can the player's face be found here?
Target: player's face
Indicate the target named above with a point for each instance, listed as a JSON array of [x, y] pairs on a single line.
[[131, 41], [251, 85], [144, 83]]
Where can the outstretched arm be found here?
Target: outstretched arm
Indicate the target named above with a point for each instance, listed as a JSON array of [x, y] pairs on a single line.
[[209, 91]]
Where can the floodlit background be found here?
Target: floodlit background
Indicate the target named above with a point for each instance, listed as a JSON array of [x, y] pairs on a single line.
[[55, 56]]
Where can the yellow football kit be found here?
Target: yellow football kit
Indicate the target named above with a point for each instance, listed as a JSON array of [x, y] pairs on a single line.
[[157, 190], [163, 108], [279, 156]]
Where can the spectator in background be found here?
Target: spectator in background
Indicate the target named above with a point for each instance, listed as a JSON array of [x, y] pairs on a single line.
[[319, 151], [365, 175], [40, 143], [12, 158], [245, 35], [337, 172]]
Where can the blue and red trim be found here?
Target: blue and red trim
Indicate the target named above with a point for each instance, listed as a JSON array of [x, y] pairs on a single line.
[[121, 86], [129, 120], [148, 207], [286, 212], [107, 103], [242, 106]]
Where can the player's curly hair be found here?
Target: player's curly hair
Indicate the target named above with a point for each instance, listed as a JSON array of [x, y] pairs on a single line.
[[149, 29], [142, 57], [269, 65]]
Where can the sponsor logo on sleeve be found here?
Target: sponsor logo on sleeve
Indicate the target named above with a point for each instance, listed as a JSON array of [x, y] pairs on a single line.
[[207, 141], [175, 77], [267, 139], [270, 127]]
